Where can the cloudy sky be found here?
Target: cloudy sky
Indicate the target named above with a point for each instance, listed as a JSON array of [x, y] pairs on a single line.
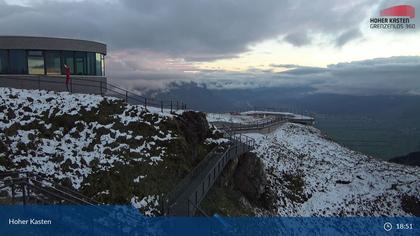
[[326, 45]]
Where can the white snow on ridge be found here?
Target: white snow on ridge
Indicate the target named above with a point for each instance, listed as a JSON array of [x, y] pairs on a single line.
[[252, 116], [337, 181], [43, 101], [61, 154], [230, 118], [285, 114]]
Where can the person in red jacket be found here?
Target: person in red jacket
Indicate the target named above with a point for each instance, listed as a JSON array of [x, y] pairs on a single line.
[[67, 71]]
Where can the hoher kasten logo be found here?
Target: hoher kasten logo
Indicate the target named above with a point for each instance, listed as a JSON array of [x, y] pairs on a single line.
[[395, 18]]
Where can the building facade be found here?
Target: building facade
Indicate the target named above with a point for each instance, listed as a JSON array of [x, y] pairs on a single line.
[[38, 63]]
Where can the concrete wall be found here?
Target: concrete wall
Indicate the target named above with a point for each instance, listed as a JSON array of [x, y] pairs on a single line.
[[79, 84]]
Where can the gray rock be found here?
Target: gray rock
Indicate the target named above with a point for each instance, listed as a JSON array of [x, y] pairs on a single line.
[[250, 176]]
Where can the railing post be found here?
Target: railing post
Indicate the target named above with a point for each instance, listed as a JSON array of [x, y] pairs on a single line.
[[100, 84], [188, 206], [161, 106], [39, 83], [177, 105], [13, 193], [28, 189], [145, 103], [126, 96], [171, 106], [24, 194], [196, 199]]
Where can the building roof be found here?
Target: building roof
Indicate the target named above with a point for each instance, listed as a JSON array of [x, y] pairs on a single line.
[[46, 43]]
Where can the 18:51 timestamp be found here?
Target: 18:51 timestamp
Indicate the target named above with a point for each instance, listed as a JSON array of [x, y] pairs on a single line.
[[404, 226]]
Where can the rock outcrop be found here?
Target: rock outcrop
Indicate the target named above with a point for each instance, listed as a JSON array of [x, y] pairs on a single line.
[[250, 177], [194, 126]]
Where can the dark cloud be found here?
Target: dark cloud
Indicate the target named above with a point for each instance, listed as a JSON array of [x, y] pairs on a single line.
[[153, 43], [347, 36], [298, 39], [291, 66], [191, 29], [381, 76], [284, 66]]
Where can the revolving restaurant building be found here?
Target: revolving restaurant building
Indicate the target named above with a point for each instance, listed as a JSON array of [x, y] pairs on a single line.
[[38, 63]]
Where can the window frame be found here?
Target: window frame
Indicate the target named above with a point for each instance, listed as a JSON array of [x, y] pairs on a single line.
[[35, 56], [76, 67], [6, 71], [72, 68], [98, 69], [26, 71], [45, 62]]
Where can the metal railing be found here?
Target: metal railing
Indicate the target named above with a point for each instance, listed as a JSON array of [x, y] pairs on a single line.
[[285, 109], [88, 85], [27, 188], [259, 124], [189, 193], [205, 185], [34, 188]]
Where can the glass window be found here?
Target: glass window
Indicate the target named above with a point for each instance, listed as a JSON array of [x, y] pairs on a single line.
[[17, 62], [68, 59], [52, 62], [80, 60], [98, 64], [90, 57], [103, 64], [35, 63], [4, 62]]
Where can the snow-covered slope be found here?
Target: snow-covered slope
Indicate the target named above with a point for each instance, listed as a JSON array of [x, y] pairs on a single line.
[[230, 118], [312, 175], [25, 112], [118, 153], [108, 150]]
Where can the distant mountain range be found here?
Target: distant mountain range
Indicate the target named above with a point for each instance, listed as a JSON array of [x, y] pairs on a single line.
[[382, 126], [299, 99]]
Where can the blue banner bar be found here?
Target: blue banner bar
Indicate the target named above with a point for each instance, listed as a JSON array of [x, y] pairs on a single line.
[[125, 220]]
